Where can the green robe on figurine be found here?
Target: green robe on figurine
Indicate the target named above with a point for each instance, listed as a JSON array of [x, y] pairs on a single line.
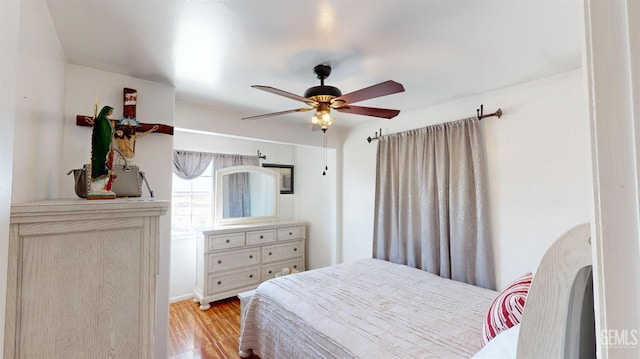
[[101, 177]]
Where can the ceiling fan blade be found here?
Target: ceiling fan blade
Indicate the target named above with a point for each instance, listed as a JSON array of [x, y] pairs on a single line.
[[381, 89], [369, 111], [304, 109], [290, 95]]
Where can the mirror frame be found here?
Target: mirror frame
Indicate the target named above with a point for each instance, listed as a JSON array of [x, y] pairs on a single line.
[[220, 221]]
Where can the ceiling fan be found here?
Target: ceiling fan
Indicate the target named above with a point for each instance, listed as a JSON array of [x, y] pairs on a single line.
[[323, 98]]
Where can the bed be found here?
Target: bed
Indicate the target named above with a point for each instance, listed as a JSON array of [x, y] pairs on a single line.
[[371, 308]]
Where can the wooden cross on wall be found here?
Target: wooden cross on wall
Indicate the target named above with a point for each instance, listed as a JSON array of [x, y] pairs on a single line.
[[129, 116]]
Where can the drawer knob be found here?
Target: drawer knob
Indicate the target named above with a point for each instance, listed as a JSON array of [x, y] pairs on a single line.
[[269, 253], [295, 266], [250, 256], [261, 237], [228, 241], [250, 275], [295, 249], [291, 233], [219, 261], [219, 282], [270, 271]]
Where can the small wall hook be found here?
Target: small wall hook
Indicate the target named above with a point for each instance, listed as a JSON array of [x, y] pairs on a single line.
[[261, 156]]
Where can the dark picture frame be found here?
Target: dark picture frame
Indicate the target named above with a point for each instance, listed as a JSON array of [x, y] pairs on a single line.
[[286, 176]]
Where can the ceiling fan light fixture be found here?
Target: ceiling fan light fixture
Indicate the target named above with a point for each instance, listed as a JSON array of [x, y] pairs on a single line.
[[323, 119], [323, 115]]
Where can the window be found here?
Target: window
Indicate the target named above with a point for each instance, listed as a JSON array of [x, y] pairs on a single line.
[[191, 203]]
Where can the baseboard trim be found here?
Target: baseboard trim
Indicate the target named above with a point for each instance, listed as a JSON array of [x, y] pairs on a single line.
[[180, 298]]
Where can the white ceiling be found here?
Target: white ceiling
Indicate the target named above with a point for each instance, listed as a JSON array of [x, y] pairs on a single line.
[[212, 51]]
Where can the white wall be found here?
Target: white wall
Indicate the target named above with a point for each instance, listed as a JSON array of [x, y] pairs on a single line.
[[9, 30], [153, 153], [539, 169], [39, 107], [32, 65], [317, 203], [538, 166]]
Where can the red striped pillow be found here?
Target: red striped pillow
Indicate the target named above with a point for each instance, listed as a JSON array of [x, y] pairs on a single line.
[[506, 309]]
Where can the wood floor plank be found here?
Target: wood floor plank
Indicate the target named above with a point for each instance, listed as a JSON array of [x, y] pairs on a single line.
[[228, 347], [208, 334]]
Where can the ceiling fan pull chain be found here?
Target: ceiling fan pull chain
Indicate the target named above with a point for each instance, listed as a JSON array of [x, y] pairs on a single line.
[[324, 137]]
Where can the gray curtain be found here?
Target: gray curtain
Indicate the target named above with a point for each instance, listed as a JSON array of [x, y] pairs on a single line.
[[222, 160], [190, 164], [431, 202]]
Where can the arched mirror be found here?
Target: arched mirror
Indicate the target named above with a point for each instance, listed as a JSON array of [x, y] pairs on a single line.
[[246, 194]]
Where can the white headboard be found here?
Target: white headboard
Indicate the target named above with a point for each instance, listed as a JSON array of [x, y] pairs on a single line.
[[558, 319]]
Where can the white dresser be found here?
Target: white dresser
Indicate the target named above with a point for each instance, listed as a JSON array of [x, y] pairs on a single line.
[[236, 258], [82, 278]]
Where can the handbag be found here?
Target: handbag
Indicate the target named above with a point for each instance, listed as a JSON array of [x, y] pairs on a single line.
[[127, 183], [81, 180]]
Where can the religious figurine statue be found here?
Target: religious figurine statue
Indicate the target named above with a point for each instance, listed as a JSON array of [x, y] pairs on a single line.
[[101, 173], [125, 138]]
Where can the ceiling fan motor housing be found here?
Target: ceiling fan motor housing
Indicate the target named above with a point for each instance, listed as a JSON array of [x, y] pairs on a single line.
[[322, 91]]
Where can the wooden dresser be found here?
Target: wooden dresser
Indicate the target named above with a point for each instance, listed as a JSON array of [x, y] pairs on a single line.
[[237, 258], [82, 278]]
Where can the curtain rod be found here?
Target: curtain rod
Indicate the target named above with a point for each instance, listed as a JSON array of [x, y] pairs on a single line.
[[479, 112]]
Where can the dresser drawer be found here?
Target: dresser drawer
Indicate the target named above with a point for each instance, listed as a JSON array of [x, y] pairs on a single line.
[[259, 237], [281, 252], [225, 241], [269, 270], [290, 233], [225, 281], [236, 259]]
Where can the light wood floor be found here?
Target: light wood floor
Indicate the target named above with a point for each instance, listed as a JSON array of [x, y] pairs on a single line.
[[212, 333]]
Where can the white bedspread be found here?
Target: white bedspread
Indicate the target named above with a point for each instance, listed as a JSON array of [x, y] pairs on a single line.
[[365, 309]]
